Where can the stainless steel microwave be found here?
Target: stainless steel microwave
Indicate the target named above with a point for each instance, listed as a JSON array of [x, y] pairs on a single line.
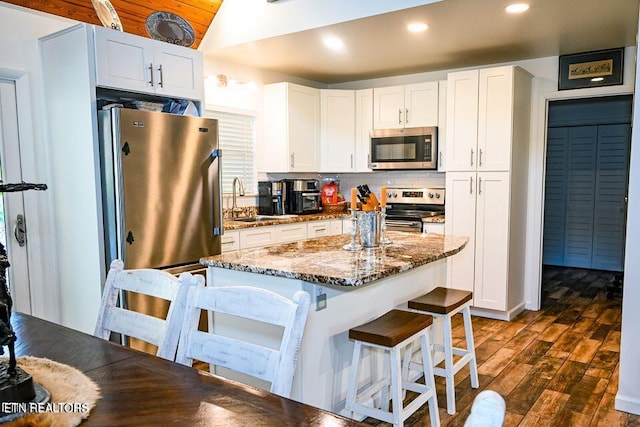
[[408, 148]]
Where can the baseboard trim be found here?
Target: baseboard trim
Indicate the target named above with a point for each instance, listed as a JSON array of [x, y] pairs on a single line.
[[507, 316], [627, 404]]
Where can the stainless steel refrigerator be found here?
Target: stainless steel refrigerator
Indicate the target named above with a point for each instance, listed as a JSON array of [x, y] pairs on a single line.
[[162, 200]]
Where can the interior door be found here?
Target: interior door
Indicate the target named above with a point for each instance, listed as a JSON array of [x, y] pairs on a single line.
[[12, 215]]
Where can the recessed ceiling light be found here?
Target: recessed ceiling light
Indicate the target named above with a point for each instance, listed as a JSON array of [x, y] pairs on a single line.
[[333, 43], [517, 8], [417, 27]]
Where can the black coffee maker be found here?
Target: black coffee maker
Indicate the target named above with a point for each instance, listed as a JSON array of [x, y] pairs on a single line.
[[271, 198]]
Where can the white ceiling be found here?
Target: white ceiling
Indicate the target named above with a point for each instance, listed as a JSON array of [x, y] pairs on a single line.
[[461, 33]]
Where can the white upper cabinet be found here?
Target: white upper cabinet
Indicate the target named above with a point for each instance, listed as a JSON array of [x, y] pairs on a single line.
[[128, 62], [462, 120], [291, 140], [337, 130], [483, 116], [442, 125], [412, 105], [364, 126]]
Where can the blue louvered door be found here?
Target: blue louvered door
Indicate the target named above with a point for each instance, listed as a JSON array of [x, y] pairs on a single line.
[[585, 190], [580, 196], [611, 191]]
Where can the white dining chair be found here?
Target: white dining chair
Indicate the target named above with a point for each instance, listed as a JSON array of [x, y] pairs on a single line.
[[163, 333], [276, 366]]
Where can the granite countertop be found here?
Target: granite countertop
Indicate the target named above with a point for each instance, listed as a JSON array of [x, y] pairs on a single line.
[[439, 219], [323, 260], [230, 224]]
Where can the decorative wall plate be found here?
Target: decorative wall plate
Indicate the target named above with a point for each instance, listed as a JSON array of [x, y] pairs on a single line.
[[171, 28], [107, 14]]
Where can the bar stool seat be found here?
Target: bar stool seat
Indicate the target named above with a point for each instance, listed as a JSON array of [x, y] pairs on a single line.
[[444, 303], [392, 332]]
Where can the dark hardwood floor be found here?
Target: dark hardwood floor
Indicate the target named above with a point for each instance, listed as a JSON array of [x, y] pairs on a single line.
[[554, 367]]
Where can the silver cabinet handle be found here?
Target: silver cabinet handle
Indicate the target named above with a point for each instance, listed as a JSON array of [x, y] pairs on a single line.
[[480, 157], [479, 185], [472, 157], [352, 161], [440, 159], [318, 230], [230, 242], [292, 159], [406, 115], [471, 185], [161, 81], [399, 116], [151, 74]]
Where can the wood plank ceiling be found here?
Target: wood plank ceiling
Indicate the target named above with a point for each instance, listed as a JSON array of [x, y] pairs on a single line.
[[132, 13]]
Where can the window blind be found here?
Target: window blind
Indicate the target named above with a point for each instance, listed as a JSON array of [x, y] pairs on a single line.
[[236, 133]]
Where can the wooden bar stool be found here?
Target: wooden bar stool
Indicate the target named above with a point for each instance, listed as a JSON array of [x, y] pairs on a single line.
[[444, 303], [393, 332]]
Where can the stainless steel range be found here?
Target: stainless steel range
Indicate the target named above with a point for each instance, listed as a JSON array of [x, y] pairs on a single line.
[[406, 207]]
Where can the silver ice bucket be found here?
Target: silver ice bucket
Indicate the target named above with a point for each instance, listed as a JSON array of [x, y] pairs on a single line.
[[369, 228]]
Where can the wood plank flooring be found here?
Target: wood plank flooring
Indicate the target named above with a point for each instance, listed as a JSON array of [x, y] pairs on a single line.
[[554, 367]]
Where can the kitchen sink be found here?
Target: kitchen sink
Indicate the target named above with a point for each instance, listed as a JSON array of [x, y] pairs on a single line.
[[259, 218]]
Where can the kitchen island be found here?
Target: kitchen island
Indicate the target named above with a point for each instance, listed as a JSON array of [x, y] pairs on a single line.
[[346, 288]]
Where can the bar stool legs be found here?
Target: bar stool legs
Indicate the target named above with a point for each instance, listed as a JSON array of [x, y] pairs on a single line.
[[392, 333], [443, 303]]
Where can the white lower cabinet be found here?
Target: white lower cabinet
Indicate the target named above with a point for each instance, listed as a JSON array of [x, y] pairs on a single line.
[[230, 241], [257, 237], [433, 227], [479, 206], [335, 227], [290, 232], [318, 229]]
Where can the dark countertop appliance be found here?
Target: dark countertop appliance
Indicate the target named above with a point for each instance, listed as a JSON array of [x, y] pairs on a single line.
[[271, 198], [303, 196], [406, 207]]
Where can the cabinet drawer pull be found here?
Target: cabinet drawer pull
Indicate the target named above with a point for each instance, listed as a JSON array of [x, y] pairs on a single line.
[[471, 185], [230, 242], [472, 157], [480, 157], [399, 116], [479, 185], [318, 230], [406, 115], [352, 161], [292, 159], [161, 81]]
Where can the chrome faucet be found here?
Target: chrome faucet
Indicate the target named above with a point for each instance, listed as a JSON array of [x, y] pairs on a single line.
[[235, 210]]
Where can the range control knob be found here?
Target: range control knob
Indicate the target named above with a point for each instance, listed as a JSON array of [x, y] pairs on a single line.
[[395, 194], [430, 195], [437, 195]]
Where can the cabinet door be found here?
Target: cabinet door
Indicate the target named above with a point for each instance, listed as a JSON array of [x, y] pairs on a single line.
[[421, 104], [337, 130], [492, 245], [495, 118], [318, 229], [178, 71], [462, 120], [230, 241], [460, 207], [388, 107], [257, 237], [364, 126], [335, 226], [433, 227], [442, 124], [291, 233], [124, 61], [304, 128]]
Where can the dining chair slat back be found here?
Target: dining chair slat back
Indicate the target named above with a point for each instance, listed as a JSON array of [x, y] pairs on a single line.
[[163, 333], [276, 366]]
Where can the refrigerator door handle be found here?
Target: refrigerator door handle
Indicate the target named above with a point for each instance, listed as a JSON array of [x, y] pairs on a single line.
[[217, 210]]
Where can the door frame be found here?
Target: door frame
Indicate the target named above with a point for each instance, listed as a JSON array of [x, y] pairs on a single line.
[[547, 91], [42, 259]]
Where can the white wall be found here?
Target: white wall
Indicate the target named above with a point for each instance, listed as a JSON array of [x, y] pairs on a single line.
[[628, 397], [20, 61]]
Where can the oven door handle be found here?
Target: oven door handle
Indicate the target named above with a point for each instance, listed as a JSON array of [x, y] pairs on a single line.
[[396, 223], [310, 194]]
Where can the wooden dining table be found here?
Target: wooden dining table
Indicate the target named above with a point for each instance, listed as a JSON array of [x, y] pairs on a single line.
[[140, 389]]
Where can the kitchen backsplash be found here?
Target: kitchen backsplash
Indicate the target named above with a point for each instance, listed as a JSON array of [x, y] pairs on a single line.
[[375, 180]]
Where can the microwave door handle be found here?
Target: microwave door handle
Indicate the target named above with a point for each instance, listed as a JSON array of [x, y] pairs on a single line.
[[310, 194]]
